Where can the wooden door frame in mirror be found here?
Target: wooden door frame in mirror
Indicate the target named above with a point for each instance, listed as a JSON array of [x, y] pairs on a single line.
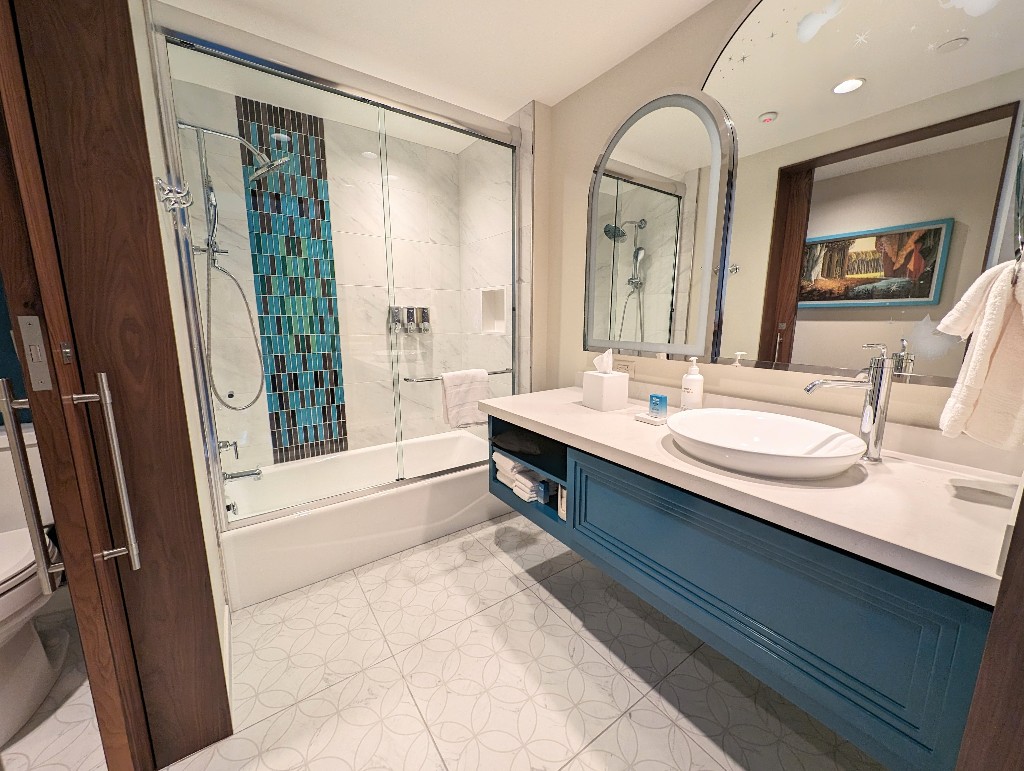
[[721, 190], [792, 215]]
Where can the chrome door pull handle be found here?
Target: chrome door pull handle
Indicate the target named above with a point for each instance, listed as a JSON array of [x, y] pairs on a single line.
[[47, 570], [107, 406]]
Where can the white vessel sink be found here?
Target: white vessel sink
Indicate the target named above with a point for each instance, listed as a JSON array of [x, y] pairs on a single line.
[[765, 444]]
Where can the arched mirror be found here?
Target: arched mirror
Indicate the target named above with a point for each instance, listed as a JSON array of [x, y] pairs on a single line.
[[878, 162], [658, 225]]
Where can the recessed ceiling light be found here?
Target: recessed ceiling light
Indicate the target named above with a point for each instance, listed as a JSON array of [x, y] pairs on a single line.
[[848, 86], [767, 117], [368, 154], [952, 45]]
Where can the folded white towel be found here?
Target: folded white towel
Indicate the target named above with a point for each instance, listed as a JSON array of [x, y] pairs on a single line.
[[506, 463], [506, 480], [987, 402], [525, 496], [461, 392]]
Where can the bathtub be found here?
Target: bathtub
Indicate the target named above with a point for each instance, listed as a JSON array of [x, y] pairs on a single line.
[[307, 542]]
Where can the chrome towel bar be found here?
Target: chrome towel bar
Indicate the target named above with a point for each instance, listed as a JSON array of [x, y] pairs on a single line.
[[430, 379]]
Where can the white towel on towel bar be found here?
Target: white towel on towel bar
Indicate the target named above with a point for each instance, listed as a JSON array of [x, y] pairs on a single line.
[[987, 402], [461, 392]]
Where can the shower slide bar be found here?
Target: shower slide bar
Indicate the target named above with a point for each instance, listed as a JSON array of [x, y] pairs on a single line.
[[430, 379]]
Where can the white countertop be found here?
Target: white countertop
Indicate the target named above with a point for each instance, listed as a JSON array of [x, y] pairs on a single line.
[[939, 522]]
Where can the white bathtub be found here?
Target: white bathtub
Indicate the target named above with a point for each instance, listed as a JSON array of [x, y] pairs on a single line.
[[335, 533]]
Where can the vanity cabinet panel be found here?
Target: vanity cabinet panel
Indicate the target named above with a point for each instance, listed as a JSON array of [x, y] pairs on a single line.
[[886, 661]]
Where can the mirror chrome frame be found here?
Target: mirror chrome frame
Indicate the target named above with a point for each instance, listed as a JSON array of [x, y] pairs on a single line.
[[717, 225]]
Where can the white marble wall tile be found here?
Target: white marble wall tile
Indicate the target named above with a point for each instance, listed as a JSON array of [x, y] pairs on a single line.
[[488, 262], [471, 311], [204, 106], [490, 352], [359, 260], [362, 310], [411, 260], [370, 413], [409, 212], [344, 147], [356, 206], [413, 166], [365, 359]]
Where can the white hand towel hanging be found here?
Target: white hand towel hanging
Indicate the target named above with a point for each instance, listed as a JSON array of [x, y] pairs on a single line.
[[461, 392], [987, 402]]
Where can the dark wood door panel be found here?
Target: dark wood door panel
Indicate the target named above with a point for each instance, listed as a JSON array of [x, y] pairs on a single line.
[[84, 92]]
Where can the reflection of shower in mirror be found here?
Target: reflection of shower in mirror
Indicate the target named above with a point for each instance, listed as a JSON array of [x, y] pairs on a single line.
[[635, 282]]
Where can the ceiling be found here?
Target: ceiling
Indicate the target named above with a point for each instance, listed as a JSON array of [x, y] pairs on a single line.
[[788, 55], [482, 55]]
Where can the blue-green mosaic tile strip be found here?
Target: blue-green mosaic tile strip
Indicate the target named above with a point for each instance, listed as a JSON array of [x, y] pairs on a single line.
[[293, 272]]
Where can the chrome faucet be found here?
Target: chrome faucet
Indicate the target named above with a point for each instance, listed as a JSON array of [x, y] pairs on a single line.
[[878, 386], [224, 444], [255, 473]]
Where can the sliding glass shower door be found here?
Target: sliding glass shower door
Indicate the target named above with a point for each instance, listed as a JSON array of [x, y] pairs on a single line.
[[345, 255]]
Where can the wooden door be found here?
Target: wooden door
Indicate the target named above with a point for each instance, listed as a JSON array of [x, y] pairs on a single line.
[[91, 264]]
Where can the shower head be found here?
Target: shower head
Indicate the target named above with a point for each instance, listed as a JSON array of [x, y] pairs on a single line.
[[268, 166], [638, 255], [614, 232]]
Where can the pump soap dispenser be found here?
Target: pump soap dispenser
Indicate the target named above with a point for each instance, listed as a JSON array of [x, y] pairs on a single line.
[[693, 387]]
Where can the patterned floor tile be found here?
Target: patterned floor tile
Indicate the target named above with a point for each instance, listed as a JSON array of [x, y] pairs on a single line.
[[513, 687], [527, 550], [367, 721], [745, 725], [290, 647], [419, 592], [63, 734], [646, 738], [641, 642]]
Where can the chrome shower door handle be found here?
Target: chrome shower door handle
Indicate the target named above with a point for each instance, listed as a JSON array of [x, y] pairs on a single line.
[[131, 549], [47, 570]]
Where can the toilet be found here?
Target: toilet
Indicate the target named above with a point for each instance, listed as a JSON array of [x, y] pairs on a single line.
[[27, 673]]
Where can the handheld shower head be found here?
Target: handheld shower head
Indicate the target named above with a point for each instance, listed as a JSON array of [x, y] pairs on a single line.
[[268, 166], [638, 255]]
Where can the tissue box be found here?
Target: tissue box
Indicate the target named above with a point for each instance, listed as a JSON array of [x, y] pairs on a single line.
[[605, 390]]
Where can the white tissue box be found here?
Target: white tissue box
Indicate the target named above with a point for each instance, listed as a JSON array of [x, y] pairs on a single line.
[[606, 391]]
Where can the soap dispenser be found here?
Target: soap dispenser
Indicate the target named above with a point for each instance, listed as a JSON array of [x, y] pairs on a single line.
[[693, 387]]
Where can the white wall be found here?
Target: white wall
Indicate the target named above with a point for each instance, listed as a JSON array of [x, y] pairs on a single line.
[[961, 184]]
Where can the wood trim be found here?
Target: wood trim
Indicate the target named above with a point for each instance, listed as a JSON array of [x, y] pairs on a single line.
[[32, 280], [87, 105], [785, 256], [992, 740]]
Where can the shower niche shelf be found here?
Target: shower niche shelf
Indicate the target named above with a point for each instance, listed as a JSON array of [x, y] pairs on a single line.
[[492, 311]]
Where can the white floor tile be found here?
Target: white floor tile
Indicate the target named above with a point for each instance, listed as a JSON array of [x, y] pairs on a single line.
[[513, 687], [527, 550], [367, 721], [292, 646], [641, 642], [745, 725], [419, 592]]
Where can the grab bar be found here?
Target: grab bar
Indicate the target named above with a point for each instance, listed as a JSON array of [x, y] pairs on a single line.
[[107, 405], [46, 569], [429, 379]]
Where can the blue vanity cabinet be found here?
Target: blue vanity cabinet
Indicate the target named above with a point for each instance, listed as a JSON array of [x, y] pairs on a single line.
[[886, 661]]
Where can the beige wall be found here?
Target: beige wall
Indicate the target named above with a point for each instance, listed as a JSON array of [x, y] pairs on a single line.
[[581, 125], [961, 184]]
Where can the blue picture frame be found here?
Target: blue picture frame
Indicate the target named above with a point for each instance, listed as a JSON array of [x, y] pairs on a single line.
[[867, 290]]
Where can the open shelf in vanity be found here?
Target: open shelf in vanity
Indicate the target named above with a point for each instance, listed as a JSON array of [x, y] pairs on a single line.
[[549, 461]]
